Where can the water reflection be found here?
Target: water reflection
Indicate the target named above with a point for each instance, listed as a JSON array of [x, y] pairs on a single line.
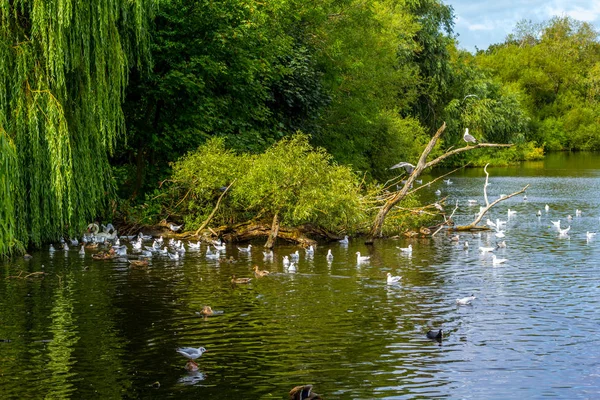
[[100, 329]]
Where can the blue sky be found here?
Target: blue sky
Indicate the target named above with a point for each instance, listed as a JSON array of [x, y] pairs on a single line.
[[481, 23]]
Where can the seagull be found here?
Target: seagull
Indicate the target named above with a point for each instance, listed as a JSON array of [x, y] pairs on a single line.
[[191, 354], [329, 255], [501, 245], [590, 235], [472, 202], [438, 192], [245, 249], [547, 208], [344, 240], [406, 249], [498, 261], [556, 224], [539, 213], [563, 232], [408, 167], [448, 182], [392, 279], [194, 246], [578, 213], [486, 249], [360, 258], [286, 261], [82, 250], [491, 224], [500, 234], [310, 251], [465, 301], [466, 245], [268, 255], [175, 228], [511, 213], [295, 255], [291, 267], [173, 256], [525, 198], [467, 137]]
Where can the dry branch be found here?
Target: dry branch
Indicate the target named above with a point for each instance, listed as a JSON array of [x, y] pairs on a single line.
[[377, 227], [488, 205]]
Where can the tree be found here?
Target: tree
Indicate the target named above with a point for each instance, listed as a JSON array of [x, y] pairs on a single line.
[[63, 68]]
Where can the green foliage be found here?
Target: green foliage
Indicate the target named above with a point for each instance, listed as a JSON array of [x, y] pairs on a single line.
[[301, 185], [63, 69], [554, 68], [291, 179]]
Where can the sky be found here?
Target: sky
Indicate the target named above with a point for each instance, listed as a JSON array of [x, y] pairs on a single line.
[[480, 23]]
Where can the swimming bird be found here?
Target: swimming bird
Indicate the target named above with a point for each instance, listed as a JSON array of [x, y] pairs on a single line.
[[486, 249], [245, 249], [438, 192], [310, 251], [286, 261], [206, 311], [467, 137], [295, 256], [569, 217], [406, 249], [578, 213], [173, 256], [500, 234], [194, 246], [563, 232], [435, 335], [448, 182], [191, 353], [501, 245], [82, 249], [240, 280], [472, 202], [465, 301], [360, 258], [547, 208], [511, 213], [408, 167], [291, 267], [268, 255], [329, 255], [466, 245], [138, 264], [539, 213], [498, 261], [556, 224], [590, 235], [491, 224], [525, 198], [344, 240], [392, 279], [304, 392], [175, 228], [51, 249], [260, 273]]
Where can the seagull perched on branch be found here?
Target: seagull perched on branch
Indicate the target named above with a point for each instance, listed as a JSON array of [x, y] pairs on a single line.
[[408, 167], [467, 137]]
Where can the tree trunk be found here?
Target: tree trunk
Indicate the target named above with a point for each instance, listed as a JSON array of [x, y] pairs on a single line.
[[273, 234]]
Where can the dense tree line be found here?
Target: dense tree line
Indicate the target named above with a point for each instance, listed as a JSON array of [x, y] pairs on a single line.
[[96, 99]]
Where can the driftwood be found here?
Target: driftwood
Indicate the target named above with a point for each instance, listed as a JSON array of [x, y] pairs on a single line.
[[377, 227], [488, 206]]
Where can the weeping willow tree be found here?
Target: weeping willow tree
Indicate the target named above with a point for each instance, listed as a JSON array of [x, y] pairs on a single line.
[[63, 71]]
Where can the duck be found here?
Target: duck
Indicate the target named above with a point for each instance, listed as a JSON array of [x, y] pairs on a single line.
[[304, 392], [138, 264], [191, 353], [235, 280], [465, 301], [260, 273], [435, 335], [206, 311], [391, 279]]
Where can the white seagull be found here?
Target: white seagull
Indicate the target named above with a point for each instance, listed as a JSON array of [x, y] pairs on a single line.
[[245, 249], [467, 137], [329, 255], [465, 301], [547, 208], [406, 249], [392, 279], [498, 261], [344, 240], [486, 249], [590, 235], [360, 258], [408, 167], [175, 228], [563, 232], [191, 353]]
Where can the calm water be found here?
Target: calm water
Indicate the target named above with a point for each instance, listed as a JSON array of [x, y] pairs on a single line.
[[107, 331]]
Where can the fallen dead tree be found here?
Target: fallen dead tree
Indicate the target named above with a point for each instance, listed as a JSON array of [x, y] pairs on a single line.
[[377, 227], [473, 225]]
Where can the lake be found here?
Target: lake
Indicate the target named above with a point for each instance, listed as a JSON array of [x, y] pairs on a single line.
[[99, 329]]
